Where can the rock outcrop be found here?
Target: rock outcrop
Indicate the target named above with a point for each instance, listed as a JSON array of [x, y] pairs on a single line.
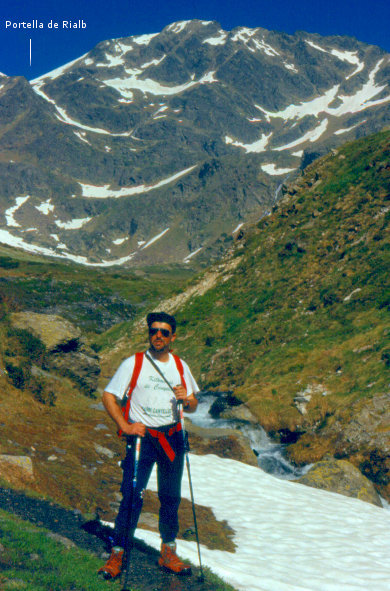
[[365, 440], [341, 477], [225, 443], [17, 470], [66, 351]]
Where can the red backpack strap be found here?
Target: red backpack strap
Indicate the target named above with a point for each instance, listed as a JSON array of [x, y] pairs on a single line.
[[180, 369], [139, 357]]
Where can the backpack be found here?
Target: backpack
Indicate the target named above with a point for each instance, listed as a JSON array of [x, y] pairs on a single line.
[[139, 358]]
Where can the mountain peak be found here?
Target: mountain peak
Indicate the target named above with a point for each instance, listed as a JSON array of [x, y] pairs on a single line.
[[156, 147]]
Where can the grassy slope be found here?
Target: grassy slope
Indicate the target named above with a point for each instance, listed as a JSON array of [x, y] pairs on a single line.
[[95, 299], [286, 317], [66, 421], [282, 317], [60, 428], [30, 560], [308, 303]]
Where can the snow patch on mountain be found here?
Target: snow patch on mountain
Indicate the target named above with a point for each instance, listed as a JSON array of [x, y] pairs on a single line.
[[346, 56], [98, 192], [313, 107], [273, 170], [65, 118], [9, 213], [58, 71], [155, 238], [290, 67], [243, 35], [126, 86], [178, 27], [120, 241], [45, 207], [74, 224], [80, 135], [247, 36], [112, 61], [17, 242], [144, 39], [192, 254], [237, 228], [362, 99], [220, 40], [155, 62], [347, 129], [257, 146], [262, 46], [311, 136]]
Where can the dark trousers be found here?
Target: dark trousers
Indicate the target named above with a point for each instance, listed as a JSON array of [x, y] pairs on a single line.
[[169, 476]]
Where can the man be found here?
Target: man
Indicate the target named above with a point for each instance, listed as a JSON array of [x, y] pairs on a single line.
[[151, 413]]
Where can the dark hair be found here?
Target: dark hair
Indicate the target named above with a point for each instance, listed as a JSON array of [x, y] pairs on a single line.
[[161, 317]]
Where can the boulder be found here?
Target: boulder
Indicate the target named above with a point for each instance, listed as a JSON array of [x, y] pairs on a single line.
[[225, 443], [103, 451], [238, 413], [61, 540], [224, 402], [67, 352], [54, 331], [364, 438], [17, 470], [81, 365], [340, 476], [359, 434]]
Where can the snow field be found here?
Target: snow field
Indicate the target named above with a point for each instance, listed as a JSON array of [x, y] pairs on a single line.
[[289, 537]]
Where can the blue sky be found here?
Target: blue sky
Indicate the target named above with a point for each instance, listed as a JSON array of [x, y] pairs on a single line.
[[368, 21]]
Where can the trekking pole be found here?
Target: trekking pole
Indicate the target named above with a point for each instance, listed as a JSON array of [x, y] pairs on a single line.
[[186, 449], [130, 537]]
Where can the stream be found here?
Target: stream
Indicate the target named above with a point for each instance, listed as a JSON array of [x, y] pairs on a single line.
[[271, 456]]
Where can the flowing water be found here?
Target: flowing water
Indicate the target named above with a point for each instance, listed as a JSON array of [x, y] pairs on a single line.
[[270, 456]]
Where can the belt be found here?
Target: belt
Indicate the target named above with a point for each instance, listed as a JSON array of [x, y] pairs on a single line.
[[161, 436]]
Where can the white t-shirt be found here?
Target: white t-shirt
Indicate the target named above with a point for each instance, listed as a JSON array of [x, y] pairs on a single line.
[[152, 401]]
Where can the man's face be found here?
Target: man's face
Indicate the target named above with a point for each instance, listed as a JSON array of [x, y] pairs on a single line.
[[161, 337]]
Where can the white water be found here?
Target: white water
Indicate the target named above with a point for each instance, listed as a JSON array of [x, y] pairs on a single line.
[[270, 456]]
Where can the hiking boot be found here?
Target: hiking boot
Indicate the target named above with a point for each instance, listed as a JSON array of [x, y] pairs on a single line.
[[170, 561], [113, 566]]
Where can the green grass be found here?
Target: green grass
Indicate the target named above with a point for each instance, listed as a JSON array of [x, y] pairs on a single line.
[[286, 317], [31, 560], [94, 299]]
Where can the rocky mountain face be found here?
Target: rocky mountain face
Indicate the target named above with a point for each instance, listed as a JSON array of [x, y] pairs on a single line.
[[152, 148]]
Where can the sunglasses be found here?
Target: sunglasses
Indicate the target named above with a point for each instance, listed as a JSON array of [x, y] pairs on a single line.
[[164, 331]]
